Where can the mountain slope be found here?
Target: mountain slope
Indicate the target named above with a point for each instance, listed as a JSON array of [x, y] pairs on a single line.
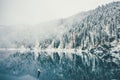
[[92, 30]]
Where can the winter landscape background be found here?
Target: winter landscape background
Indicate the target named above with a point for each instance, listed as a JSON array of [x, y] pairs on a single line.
[[85, 46]]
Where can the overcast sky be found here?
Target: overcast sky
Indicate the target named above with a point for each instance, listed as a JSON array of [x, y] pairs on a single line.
[[37, 11]]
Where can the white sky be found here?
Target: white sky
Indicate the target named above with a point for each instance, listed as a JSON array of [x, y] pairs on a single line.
[[37, 11]]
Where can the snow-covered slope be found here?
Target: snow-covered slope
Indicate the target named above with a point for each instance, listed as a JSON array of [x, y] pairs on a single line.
[[27, 35], [94, 29]]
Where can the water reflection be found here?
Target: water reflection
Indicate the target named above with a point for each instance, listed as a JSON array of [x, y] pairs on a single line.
[[55, 65]]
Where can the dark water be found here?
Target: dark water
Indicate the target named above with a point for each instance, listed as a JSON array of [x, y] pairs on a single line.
[[55, 66]]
